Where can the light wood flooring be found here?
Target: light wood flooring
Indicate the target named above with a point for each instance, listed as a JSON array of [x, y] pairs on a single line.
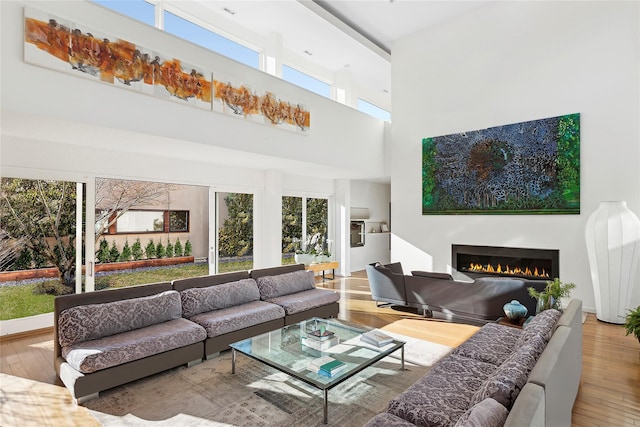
[[609, 393]]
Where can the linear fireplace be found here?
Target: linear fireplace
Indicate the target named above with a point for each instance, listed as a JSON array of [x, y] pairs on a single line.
[[477, 261]]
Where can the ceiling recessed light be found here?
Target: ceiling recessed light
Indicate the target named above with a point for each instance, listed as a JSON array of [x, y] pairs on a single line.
[[385, 90], [308, 53], [229, 11]]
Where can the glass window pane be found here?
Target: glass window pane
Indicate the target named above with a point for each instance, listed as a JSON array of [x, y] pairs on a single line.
[[317, 216], [136, 9], [374, 110], [306, 81], [317, 225], [38, 239], [178, 221], [235, 231], [291, 227], [144, 250], [140, 222], [194, 33]]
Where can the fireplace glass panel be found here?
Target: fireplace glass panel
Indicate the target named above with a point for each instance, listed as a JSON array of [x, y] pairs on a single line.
[[501, 261]]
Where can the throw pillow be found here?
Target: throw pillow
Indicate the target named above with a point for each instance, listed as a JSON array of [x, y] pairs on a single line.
[[284, 284], [201, 300], [487, 413]]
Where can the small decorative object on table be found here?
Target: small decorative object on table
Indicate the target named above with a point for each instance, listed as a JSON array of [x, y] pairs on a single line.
[[376, 338], [551, 295], [515, 311], [332, 368]]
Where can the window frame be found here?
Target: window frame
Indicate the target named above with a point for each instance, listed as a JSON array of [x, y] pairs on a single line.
[[166, 222]]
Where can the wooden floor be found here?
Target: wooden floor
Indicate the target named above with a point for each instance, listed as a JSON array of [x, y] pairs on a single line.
[[609, 392]]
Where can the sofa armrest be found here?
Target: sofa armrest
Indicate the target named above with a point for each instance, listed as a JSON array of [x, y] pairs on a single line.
[[386, 286], [558, 371], [528, 409]]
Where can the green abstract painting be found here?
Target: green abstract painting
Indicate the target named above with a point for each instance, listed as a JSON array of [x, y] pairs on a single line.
[[523, 168]]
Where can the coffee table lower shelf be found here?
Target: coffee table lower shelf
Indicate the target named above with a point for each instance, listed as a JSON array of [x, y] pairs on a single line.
[[272, 354], [325, 391]]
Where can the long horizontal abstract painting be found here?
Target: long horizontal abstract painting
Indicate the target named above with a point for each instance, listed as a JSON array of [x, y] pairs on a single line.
[[59, 44], [523, 168]]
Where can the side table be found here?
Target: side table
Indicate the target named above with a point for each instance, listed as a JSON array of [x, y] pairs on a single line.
[[322, 267], [522, 323]]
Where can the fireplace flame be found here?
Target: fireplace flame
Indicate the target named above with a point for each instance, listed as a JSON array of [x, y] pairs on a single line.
[[506, 270]]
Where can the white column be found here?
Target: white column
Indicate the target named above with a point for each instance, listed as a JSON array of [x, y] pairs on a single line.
[[272, 219], [342, 86], [342, 245], [89, 243], [272, 55]]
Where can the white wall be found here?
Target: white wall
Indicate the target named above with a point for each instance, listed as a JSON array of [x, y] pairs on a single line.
[[375, 197], [508, 62], [338, 133]]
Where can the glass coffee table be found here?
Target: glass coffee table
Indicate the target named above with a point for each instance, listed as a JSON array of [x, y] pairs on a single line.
[[298, 349]]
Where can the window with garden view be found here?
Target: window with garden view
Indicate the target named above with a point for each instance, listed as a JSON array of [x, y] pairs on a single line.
[[304, 227]]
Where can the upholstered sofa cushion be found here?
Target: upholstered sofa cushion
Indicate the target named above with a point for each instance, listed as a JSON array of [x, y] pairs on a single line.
[[305, 300], [542, 325], [284, 284], [439, 398], [217, 297], [219, 322], [487, 413], [95, 355], [505, 383], [492, 343], [95, 321], [388, 420]]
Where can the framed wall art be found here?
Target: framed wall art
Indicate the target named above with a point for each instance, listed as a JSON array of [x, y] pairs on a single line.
[[523, 168]]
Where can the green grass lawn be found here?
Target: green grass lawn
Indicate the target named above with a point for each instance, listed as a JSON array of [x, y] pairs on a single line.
[[21, 301]]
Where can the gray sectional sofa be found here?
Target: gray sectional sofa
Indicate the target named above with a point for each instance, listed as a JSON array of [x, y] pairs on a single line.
[[481, 299], [108, 338], [500, 376]]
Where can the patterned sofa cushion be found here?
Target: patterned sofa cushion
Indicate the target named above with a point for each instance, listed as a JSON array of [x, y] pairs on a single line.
[[505, 383], [387, 420], [284, 284], [95, 321], [217, 297], [485, 413], [305, 300], [441, 396], [492, 343], [219, 322], [95, 355], [541, 325]]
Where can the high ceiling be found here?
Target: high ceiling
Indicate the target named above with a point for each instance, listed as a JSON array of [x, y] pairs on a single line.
[[356, 35]]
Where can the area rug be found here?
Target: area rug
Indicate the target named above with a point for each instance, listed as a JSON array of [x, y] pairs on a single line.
[[257, 395], [416, 351]]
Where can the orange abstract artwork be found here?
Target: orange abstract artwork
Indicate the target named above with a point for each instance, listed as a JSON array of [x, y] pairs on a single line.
[[62, 46], [241, 101], [121, 60]]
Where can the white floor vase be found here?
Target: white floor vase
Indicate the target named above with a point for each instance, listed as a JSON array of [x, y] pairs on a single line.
[[613, 246]]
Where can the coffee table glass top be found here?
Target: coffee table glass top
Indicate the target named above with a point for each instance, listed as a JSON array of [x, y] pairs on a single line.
[[292, 348]]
